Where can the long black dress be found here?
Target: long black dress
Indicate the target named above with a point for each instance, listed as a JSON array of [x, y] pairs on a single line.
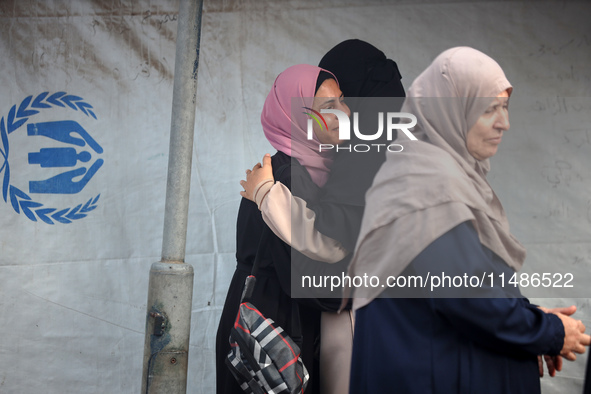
[[273, 287]]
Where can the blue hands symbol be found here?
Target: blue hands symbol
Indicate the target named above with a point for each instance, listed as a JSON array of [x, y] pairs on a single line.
[[61, 131], [63, 157], [64, 183]]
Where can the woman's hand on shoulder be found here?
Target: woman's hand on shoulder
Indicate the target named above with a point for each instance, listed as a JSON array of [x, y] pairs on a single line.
[[258, 181]]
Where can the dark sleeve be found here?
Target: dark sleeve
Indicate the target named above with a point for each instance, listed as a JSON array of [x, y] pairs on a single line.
[[496, 317]]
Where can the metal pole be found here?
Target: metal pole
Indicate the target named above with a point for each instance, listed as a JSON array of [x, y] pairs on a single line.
[[170, 291]]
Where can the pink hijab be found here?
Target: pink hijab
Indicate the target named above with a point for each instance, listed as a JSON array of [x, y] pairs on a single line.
[[285, 124]]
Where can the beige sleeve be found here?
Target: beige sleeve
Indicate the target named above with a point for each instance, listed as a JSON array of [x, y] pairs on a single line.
[[293, 222]]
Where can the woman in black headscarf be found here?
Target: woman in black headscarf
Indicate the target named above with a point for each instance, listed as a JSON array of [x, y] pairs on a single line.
[[363, 72], [364, 69], [337, 214]]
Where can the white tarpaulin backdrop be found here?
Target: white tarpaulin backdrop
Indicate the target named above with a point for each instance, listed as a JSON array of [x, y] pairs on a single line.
[[81, 215]]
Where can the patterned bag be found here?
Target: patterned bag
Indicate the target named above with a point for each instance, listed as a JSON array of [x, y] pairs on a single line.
[[263, 358]]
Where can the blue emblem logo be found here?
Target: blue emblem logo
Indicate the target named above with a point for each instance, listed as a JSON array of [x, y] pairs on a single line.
[[71, 161]]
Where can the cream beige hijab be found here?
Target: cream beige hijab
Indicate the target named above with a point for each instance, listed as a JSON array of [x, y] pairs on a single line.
[[434, 184]]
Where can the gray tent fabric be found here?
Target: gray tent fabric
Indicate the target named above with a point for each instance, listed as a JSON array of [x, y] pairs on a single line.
[[85, 112]]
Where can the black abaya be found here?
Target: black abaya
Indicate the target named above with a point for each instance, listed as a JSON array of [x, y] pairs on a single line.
[[272, 291]]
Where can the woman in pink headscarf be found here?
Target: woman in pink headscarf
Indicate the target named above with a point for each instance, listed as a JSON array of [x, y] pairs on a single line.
[[300, 166]]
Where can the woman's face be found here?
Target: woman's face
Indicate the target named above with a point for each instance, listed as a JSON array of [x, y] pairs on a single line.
[[329, 96], [484, 137]]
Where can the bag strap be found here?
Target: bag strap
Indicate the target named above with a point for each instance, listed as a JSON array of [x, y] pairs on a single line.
[[251, 280], [296, 334], [265, 233]]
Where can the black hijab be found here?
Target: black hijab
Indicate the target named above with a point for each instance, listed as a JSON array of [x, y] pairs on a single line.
[[362, 71]]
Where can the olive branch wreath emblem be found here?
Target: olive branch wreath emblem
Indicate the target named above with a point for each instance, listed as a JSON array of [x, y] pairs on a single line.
[[20, 200]]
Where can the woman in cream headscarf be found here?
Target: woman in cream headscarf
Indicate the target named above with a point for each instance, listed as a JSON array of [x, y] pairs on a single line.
[[431, 211]]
